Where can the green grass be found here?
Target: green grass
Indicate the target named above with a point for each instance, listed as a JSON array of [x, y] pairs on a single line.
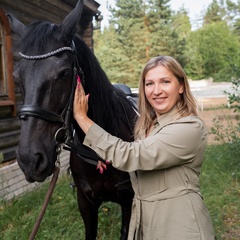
[[220, 183], [61, 220]]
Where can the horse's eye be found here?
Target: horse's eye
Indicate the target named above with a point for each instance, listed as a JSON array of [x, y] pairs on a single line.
[[65, 74]]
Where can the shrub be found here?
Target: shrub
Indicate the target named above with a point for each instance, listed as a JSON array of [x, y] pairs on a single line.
[[229, 135]]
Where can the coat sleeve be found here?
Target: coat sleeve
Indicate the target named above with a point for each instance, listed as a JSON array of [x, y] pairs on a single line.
[[175, 144]]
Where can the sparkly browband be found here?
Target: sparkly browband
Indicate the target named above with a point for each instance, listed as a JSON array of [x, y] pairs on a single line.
[[47, 54]]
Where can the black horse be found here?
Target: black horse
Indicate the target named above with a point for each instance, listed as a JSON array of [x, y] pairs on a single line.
[[52, 57]]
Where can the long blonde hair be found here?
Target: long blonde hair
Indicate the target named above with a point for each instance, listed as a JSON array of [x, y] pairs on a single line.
[[186, 105]]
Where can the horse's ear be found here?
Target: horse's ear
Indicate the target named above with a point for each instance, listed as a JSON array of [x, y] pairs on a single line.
[[68, 25], [16, 26]]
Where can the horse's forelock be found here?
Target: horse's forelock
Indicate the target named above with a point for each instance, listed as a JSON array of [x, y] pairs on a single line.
[[37, 36]]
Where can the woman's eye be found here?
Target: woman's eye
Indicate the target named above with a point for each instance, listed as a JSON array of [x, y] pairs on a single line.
[[148, 84], [166, 82]]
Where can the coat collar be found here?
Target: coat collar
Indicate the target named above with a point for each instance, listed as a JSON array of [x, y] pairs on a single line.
[[170, 116], [165, 119]]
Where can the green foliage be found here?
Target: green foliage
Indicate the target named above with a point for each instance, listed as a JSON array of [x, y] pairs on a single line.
[[229, 134], [215, 50], [233, 15], [181, 23], [215, 13], [220, 188], [221, 172], [142, 29], [139, 30], [111, 56], [234, 98], [222, 10]]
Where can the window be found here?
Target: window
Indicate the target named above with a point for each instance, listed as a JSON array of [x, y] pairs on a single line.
[[7, 93]]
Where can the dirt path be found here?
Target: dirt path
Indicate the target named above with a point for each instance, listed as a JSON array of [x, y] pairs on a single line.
[[215, 110], [225, 117]]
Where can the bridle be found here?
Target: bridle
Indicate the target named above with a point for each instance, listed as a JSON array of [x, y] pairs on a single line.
[[64, 135], [65, 131]]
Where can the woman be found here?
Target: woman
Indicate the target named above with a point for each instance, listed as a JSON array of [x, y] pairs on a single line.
[[165, 159]]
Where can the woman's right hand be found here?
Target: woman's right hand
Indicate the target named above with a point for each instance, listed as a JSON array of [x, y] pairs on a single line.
[[80, 108], [80, 103]]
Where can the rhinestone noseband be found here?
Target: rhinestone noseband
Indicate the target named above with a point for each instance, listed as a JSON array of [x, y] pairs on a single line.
[[36, 57]]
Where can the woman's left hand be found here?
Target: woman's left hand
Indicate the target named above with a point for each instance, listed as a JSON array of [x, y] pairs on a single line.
[[101, 167]]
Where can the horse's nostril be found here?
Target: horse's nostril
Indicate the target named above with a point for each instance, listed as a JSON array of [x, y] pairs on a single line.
[[30, 179], [39, 165]]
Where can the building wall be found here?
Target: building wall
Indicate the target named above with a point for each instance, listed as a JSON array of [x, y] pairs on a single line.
[[12, 180], [29, 11], [13, 183]]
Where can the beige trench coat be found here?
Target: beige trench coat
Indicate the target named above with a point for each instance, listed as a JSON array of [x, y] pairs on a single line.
[[164, 170]]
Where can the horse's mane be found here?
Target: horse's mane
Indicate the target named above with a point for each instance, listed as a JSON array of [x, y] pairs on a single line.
[[105, 102], [106, 108]]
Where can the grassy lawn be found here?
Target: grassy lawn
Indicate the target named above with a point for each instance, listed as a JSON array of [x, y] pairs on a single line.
[[220, 181], [61, 220]]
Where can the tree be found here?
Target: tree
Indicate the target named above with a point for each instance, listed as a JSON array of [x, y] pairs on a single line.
[[234, 98], [142, 29], [215, 13], [215, 50], [224, 10], [233, 13], [128, 20], [145, 29], [181, 23], [181, 29], [163, 39], [110, 55]]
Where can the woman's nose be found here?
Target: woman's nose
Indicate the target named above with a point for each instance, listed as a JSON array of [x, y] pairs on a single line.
[[157, 89]]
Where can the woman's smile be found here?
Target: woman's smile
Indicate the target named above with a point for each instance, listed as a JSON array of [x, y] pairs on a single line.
[[162, 89], [159, 100]]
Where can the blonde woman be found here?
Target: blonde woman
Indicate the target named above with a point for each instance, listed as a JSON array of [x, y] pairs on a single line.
[[165, 159]]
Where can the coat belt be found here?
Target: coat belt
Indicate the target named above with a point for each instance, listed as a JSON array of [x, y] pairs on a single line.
[[158, 196], [170, 193]]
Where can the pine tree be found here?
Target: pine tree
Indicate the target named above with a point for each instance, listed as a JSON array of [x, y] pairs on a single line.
[[142, 29], [215, 12]]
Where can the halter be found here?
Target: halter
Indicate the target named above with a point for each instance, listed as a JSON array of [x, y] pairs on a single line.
[[62, 134]]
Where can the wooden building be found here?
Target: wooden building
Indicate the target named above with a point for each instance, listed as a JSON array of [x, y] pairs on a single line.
[[29, 11]]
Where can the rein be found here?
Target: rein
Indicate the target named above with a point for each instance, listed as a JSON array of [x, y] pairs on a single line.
[[46, 201]]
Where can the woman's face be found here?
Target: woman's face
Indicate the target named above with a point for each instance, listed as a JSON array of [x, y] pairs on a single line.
[[162, 89]]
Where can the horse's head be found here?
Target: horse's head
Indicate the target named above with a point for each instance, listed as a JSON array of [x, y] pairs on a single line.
[[45, 74]]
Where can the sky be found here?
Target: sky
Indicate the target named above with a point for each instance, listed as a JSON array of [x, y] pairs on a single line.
[[194, 7]]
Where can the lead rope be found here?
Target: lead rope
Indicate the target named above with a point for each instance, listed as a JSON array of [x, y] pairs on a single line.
[[47, 198]]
